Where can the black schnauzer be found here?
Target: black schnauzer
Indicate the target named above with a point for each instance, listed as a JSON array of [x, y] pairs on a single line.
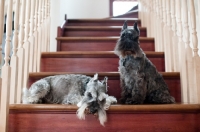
[[140, 80]]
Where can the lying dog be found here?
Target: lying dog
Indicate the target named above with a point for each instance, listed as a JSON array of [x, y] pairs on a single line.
[[140, 80], [89, 94]]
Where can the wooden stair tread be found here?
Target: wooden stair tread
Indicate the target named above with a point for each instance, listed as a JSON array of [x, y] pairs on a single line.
[[108, 74], [89, 28], [104, 20], [66, 54], [170, 108], [100, 38]]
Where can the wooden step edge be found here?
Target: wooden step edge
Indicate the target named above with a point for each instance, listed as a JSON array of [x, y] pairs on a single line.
[[98, 28], [104, 20], [114, 38], [165, 75], [93, 54], [170, 108]]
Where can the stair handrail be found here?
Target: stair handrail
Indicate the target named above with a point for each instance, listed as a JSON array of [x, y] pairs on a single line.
[[173, 25], [31, 37]]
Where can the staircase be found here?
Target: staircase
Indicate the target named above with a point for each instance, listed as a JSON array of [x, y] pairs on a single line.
[[86, 46]]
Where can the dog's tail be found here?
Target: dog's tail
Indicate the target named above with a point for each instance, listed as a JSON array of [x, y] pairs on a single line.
[[25, 96]]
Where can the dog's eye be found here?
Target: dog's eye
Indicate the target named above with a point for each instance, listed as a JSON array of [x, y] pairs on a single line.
[[123, 35], [89, 95], [136, 39]]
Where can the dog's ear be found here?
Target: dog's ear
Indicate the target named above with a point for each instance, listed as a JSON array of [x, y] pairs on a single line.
[[95, 78], [105, 82], [135, 27], [124, 26]]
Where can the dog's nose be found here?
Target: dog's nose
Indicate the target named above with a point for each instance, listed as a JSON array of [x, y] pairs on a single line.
[[92, 111]]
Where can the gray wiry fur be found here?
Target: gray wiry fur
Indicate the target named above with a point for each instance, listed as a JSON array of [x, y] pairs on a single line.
[[89, 94], [140, 81]]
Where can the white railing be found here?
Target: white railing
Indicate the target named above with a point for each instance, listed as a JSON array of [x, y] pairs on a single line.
[[31, 37], [173, 25]]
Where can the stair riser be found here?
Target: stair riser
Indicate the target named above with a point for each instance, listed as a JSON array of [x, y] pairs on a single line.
[[95, 33], [101, 23], [98, 45], [88, 64], [61, 121], [115, 89]]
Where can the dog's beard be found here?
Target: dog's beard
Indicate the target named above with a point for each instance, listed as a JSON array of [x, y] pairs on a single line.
[[81, 112], [85, 108], [102, 116]]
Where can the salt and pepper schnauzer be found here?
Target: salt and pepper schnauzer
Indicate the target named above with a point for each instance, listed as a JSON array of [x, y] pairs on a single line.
[[89, 94], [140, 81]]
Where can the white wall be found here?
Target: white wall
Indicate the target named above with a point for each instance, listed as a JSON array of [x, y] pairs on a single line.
[[75, 9], [55, 16]]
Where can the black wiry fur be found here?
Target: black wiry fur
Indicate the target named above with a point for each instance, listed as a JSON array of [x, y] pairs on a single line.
[[140, 81]]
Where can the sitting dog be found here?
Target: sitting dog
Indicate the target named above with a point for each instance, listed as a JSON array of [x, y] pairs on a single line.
[[140, 81], [89, 94]]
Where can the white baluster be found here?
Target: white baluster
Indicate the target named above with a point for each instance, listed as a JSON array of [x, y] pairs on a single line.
[[159, 29], [149, 20], [181, 50], [39, 35], [2, 5], [26, 43], [169, 48], [188, 52], [197, 65], [196, 89], [139, 9], [14, 58], [20, 52], [156, 24], [174, 37], [44, 25], [164, 24], [31, 37], [161, 25], [48, 27], [165, 35], [151, 17], [35, 36], [6, 70]]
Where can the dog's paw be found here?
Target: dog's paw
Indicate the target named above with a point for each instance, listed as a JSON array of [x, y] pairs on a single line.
[[109, 100]]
